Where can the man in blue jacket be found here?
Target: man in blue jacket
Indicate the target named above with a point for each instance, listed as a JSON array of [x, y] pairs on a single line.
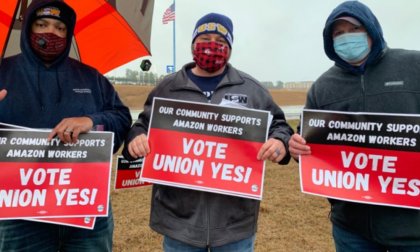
[[359, 82], [43, 88]]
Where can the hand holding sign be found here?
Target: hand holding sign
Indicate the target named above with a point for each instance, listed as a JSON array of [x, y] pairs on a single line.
[[68, 129], [273, 150], [298, 146], [139, 146]]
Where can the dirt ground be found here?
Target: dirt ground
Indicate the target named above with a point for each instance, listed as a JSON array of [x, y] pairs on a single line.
[[289, 220]]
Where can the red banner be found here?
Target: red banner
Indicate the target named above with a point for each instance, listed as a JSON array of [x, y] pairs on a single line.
[[206, 147], [50, 179], [362, 157]]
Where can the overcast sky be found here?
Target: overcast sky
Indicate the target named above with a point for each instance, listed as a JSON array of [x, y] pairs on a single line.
[[273, 39]]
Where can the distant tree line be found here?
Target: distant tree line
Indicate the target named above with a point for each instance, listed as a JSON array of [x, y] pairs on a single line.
[[133, 77]]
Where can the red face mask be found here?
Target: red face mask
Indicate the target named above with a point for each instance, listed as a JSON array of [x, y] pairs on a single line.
[[47, 46], [210, 56]]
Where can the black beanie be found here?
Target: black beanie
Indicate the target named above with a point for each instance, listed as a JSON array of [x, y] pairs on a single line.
[[57, 10]]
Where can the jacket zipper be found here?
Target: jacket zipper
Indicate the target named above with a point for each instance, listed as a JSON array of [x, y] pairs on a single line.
[[362, 80], [208, 223], [207, 201]]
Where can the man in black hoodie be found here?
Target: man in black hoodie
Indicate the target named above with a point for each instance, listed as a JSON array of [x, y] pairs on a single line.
[[47, 89], [359, 82]]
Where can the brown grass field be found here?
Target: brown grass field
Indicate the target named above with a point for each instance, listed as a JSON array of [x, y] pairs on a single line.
[[134, 96], [289, 220]]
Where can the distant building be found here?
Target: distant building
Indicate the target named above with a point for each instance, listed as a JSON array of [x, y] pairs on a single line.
[[297, 85]]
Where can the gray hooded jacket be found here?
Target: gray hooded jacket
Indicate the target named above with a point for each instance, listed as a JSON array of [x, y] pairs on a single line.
[[389, 82]]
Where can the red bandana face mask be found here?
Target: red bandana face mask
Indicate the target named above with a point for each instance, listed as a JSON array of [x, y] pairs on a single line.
[[210, 56], [47, 46]]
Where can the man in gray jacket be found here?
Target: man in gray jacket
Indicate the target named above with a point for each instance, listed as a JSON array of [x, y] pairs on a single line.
[[194, 220], [359, 82]]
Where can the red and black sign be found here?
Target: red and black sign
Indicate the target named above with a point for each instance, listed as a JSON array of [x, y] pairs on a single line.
[[206, 147], [362, 157], [128, 173], [50, 179]]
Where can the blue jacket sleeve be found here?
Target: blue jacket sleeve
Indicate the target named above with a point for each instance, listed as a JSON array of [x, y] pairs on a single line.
[[114, 115]]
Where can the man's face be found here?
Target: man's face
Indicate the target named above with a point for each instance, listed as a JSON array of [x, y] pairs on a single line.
[[342, 26], [49, 25], [212, 37]]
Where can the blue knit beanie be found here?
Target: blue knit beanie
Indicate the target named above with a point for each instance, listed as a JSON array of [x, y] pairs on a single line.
[[215, 23]]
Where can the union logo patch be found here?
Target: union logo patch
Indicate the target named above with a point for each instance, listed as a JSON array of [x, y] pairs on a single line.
[[48, 11]]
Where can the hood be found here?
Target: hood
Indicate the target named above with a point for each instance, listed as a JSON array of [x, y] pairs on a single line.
[[362, 13], [30, 17]]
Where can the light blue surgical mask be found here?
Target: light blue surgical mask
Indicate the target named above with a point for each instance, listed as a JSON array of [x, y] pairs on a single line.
[[352, 47]]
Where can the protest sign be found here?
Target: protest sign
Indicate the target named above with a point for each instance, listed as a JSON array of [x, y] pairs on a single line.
[[85, 222], [362, 157], [127, 173], [50, 179], [206, 147]]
